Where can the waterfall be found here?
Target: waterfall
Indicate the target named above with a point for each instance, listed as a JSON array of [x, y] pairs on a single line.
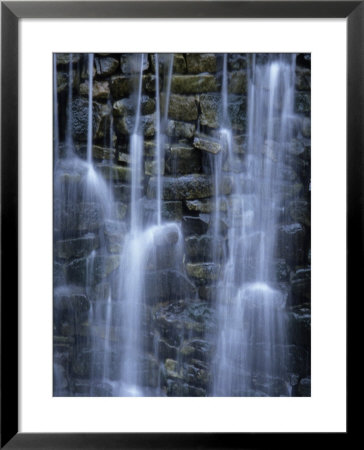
[[69, 139], [143, 246], [158, 141], [55, 111], [89, 125], [180, 207], [250, 356]]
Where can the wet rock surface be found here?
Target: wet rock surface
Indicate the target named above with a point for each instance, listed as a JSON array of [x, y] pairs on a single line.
[[178, 318]]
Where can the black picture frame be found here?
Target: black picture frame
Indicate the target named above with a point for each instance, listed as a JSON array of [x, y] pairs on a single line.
[[11, 13]]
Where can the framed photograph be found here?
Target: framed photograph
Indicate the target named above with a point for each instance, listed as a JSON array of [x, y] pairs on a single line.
[[172, 173]]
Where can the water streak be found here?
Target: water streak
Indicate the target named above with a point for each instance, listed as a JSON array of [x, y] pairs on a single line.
[[250, 352]]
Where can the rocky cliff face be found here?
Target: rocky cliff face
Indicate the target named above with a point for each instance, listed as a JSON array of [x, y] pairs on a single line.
[[179, 316]]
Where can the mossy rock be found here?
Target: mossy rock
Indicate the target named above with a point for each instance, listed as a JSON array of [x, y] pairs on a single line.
[[182, 159], [193, 84], [203, 273], [115, 173], [121, 86], [100, 90], [188, 187], [77, 247], [201, 62], [178, 129], [106, 66], [182, 107]]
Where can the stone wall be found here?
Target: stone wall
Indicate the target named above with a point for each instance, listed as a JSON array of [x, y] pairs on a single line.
[[177, 329]]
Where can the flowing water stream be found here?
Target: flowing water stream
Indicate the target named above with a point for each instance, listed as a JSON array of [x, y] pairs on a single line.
[[250, 305]]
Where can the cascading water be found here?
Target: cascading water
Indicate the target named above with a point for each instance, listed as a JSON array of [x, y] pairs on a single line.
[[250, 356], [176, 181], [144, 246]]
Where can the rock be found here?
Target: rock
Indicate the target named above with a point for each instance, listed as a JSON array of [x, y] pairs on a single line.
[[169, 321], [203, 273], [166, 351], [196, 376], [299, 326], [83, 389], [150, 148], [303, 79], [82, 217], [131, 63], [167, 285], [281, 270], [100, 90], [304, 60], [119, 210], [188, 187], [182, 107], [304, 387], [183, 159], [237, 61], [299, 211], [127, 106], [91, 270], [237, 82], [226, 185], [192, 391], [63, 59], [195, 225], [168, 234], [149, 371], [203, 248], [287, 173], [101, 292], [76, 248], [63, 81], [306, 127], [172, 370], [206, 143], [58, 274], [296, 147], [114, 172], [301, 286], [206, 205], [115, 233], [125, 125], [148, 83], [98, 152], [211, 111], [73, 301], [171, 210], [124, 158], [179, 129], [201, 62], [208, 293], [80, 118], [198, 349], [122, 192], [151, 167], [121, 86], [60, 381], [106, 66], [302, 102], [291, 243], [193, 84], [103, 131], [179, 62], [122, 107]]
